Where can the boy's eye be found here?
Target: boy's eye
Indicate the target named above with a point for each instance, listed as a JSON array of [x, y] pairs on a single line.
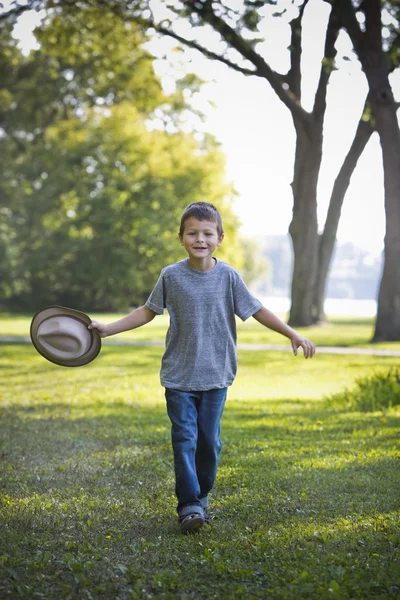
[[207, 233]]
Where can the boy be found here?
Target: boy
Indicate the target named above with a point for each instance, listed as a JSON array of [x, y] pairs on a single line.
[[202, 296]]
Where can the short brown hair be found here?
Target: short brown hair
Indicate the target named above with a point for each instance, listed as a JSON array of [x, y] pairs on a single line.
[[203, 211]]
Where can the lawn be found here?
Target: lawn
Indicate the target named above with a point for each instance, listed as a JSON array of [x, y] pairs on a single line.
[[306, 503]]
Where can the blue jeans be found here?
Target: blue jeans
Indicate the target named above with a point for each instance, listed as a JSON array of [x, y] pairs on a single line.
[[195, 435]]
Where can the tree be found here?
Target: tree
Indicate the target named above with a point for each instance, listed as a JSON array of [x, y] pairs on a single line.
[[94, 193], [370, 48], [105, 216], [256, 266], [45, 88], [237, 31], [327, 238]]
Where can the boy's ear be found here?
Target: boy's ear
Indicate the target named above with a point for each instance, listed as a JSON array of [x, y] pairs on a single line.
[[180, 238], [220, 239]]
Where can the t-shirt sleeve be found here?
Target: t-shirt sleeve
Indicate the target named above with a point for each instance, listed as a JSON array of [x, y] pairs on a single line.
[[156, 300], [246, 304]]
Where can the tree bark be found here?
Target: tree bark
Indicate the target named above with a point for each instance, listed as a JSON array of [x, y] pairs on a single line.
[[368, 46], [308, 157], [304, 226], [387, 326], [312, 253], [384, 111], [327, 239]]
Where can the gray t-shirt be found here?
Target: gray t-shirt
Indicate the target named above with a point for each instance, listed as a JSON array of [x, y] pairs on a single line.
[[201, 340]]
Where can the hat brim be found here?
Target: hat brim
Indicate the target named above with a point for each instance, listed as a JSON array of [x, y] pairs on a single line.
[[57, 311]]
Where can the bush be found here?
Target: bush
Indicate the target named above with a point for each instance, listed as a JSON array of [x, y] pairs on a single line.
[[376, 392]]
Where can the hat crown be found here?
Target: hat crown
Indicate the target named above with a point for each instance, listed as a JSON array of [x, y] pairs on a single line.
[[64, 337], [61, 335]]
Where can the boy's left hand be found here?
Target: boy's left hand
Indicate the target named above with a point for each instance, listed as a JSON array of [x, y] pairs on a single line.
[[307, 345]]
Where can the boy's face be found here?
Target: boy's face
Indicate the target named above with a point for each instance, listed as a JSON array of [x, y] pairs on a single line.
[[200, 239]]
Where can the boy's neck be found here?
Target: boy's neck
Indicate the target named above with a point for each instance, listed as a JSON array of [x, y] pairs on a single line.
[[202, 264]]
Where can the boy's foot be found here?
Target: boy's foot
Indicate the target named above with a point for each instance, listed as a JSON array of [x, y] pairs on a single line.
[[192, 522], [206, 515]]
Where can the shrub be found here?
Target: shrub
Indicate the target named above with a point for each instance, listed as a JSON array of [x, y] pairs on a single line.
[[376, 392]]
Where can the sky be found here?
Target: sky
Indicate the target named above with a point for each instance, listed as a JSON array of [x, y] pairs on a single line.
[[257, 136]]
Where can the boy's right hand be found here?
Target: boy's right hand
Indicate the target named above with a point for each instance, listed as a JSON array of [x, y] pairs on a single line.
[[101, 328]]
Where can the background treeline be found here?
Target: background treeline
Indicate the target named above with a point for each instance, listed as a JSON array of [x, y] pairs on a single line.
[[354, 273], [95, 168]]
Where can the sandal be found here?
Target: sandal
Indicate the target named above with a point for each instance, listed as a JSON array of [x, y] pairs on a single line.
[[192, 522]]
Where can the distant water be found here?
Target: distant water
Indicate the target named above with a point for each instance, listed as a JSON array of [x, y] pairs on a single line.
[[333, 306]]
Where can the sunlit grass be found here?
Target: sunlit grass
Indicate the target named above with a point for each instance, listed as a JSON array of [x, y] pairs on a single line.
[[306, 502], [339, 331]]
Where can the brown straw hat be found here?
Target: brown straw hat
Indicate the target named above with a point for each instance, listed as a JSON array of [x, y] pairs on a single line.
[[61, 335]]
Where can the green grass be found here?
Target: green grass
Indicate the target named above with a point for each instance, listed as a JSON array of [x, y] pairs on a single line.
[[340, 331], [306, 502], [379, 391]]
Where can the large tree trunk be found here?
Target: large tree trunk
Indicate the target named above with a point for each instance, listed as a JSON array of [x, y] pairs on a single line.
[[376, 65], [328, 238], [387, 327], [304, 226], [383, 105], [309, 134], [309, 127]]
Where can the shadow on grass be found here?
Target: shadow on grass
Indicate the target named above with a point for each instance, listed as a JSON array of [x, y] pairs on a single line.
[[56, 447], [88, 509], [306, 499]]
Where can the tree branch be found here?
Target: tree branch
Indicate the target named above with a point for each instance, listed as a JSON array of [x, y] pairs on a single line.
[[244, 48], [350, 23], [202, 49], [373, 25], [328, 238], [327, 64], [14, 13], [363, 133], [293, 77]]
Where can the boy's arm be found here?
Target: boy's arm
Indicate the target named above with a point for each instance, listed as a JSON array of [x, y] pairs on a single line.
[[268, 319], [138, 317]]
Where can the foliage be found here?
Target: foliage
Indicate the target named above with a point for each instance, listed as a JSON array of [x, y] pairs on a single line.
[[100, 58], [107, 197], [98, 171], [305, 506], [372, 393], [256, 266], [234, 35]]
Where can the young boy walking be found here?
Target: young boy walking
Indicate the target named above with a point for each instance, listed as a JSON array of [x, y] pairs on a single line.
[[202, 296]]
